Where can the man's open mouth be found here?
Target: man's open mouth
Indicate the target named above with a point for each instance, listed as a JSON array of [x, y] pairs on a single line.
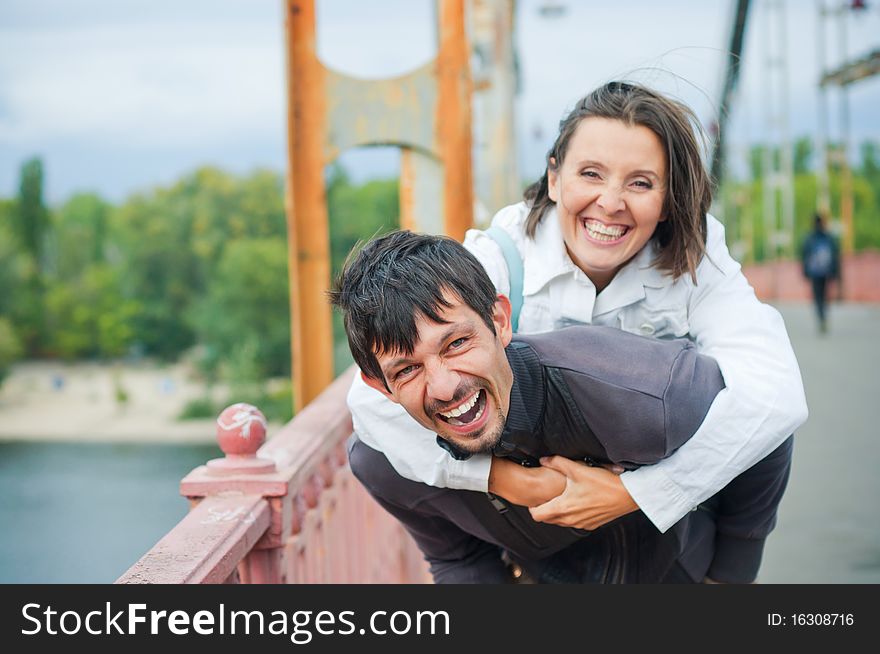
[[467, 412]]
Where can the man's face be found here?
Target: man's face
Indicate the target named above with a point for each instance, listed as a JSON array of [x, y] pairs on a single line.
[[457, 380]]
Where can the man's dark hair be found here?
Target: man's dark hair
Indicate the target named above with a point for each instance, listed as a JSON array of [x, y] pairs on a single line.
[[393, 279]]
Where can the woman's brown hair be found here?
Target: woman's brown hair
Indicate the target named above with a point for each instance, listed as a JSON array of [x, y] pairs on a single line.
[[682, 236]]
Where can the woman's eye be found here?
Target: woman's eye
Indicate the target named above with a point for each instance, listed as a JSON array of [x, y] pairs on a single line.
[[592, 174], [641, 183]]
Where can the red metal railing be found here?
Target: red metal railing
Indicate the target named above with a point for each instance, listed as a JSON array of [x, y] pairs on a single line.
[[783, 280], [287, 511]]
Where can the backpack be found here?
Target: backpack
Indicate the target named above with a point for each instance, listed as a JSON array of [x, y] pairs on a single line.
[[819, 260], [514, 268]]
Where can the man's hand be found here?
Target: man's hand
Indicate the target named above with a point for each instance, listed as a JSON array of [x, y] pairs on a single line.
[[524, 486], [592, 496]]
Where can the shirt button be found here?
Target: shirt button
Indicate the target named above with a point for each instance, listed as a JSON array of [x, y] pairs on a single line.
[[647, 329]]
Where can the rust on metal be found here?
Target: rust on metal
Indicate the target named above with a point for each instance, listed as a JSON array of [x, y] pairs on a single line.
[[307, 224], [454, 130]]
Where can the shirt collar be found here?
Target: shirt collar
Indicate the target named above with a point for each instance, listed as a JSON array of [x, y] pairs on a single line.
[[628, 285], [546, 258]]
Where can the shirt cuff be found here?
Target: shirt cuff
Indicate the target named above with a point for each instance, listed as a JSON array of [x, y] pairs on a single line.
[[659, 498], [471, 474]]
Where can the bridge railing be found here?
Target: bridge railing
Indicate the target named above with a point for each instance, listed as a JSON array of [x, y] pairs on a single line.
[[286, 510]]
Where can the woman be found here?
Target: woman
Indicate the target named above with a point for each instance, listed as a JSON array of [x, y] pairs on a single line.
[[616, 233]]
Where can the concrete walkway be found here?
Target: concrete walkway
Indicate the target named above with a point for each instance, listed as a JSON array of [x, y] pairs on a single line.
[[829, 522]]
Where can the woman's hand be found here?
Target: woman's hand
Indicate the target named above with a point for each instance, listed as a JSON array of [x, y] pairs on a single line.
[[524, 486], [592, 497]]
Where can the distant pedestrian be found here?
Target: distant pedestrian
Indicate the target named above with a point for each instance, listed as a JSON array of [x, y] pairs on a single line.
[[821, 262]]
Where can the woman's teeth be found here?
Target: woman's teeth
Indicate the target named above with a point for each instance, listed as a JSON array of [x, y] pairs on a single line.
[[602, 232]]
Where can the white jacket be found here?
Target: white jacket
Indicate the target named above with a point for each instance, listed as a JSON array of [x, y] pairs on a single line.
[[762, 404]]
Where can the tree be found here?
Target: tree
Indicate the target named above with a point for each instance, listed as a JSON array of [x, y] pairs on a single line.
[[88, 315], [32, 215], [10, 348], [244, 318], [803, 155], [79, 234]]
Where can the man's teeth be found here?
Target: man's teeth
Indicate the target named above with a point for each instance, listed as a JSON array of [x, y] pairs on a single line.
[[602, 232], [462, 408]]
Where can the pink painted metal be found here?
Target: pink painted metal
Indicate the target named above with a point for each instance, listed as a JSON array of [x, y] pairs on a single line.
[[316, 523], [241, 431], [783, 280], [207, 545]]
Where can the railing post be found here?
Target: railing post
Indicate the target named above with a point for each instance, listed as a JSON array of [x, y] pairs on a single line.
[[241, 431]]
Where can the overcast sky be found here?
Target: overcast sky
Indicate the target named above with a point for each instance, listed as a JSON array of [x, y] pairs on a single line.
[[121, 96]]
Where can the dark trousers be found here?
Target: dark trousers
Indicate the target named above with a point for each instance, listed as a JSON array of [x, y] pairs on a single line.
[[463, 535], [820, 295]]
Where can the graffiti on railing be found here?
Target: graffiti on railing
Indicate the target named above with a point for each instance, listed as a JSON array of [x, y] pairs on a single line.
[[239, 514]]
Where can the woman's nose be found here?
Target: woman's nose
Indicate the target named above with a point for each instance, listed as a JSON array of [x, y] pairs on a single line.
[[610, 200]]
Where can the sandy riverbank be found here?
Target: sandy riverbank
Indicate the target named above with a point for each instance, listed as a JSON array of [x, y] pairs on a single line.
[[78, 402]]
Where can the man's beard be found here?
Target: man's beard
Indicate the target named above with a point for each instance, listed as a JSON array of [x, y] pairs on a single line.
[[484, 443], [487, 440]]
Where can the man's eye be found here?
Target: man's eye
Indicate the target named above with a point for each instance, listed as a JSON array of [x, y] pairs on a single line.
[[458, 342], [403, 372]]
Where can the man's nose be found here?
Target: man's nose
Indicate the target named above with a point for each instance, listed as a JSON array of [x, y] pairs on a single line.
[[442, 382], [610, 199]]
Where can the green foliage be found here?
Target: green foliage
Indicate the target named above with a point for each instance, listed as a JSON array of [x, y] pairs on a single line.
[[744, 208], [359, 212], [32, 217], [244, 317], [15, 265], [272, 397], [87, 316], [803, 155], [10, 348], [80, 234], [171, 242]]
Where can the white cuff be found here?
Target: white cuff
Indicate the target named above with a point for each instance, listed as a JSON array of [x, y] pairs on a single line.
[[472, 474], [657, 495]]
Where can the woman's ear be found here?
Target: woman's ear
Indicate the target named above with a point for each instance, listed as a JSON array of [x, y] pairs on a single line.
[[552, 179], [378, 384]]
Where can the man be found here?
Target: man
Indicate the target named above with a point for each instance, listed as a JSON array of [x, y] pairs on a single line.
[[427, 329], [821, 263]]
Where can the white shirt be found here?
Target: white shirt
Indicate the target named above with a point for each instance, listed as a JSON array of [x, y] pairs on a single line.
[[762, 404]]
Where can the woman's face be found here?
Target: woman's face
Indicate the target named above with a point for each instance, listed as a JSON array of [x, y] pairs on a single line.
[[609, 194]]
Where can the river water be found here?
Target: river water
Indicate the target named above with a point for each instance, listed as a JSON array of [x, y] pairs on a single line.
[[87, 512], [84, 513]]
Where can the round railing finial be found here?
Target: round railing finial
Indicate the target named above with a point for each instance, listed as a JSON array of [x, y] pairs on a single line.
[[241, 431]]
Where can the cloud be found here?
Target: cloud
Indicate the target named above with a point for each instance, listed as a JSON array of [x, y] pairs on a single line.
[[183, 84]]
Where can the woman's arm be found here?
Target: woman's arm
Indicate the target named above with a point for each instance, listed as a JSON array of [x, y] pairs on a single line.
[[762, 404]]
